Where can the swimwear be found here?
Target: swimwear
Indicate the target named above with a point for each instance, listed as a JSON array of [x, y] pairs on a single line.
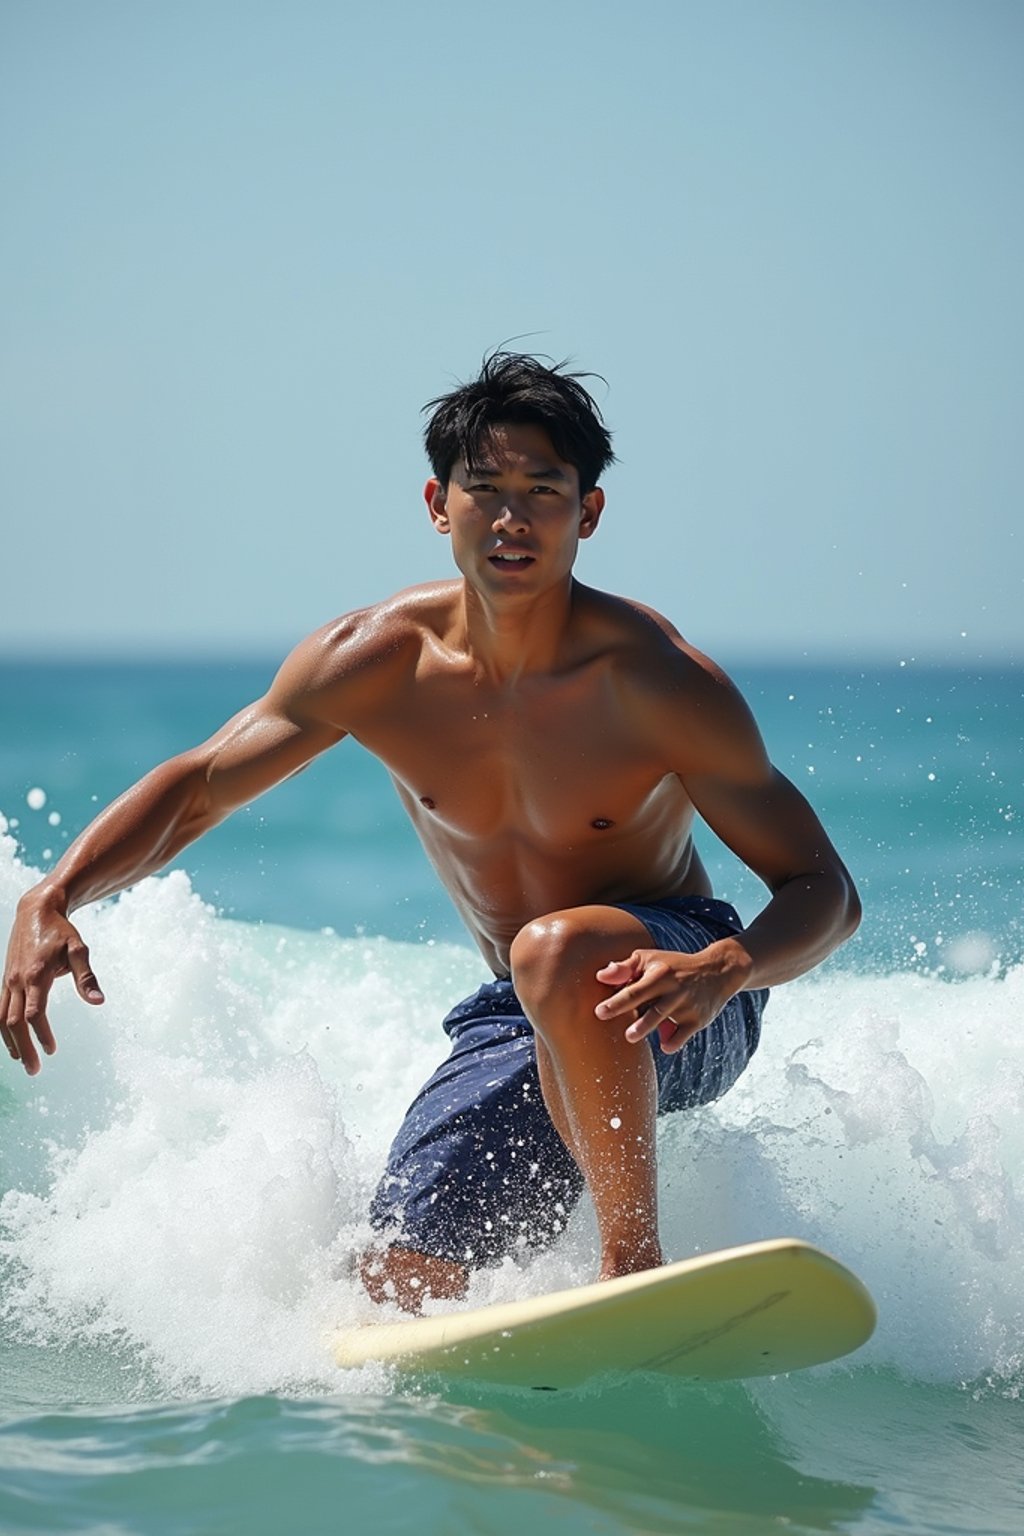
[[477, 1170]]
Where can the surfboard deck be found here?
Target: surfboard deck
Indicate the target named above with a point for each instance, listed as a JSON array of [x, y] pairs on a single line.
[[759, 1310]]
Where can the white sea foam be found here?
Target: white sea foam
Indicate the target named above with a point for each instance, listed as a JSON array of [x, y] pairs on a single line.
[[188, 1177], [881, 1119]]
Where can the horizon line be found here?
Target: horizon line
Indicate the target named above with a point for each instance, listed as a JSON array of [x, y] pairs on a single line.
[[819, 656]]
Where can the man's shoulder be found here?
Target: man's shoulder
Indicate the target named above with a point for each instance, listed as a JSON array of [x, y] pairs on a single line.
[[368, 649], [380, 630], [674, 691], [641, 640]]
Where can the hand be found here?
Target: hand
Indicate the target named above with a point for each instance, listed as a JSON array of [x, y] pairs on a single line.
[[675, 994], [43, 946]]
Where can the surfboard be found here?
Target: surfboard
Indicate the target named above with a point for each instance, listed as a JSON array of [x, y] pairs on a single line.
[[759, 1310]]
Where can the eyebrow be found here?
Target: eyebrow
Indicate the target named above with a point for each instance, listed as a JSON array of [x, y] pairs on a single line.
[[493, 473]]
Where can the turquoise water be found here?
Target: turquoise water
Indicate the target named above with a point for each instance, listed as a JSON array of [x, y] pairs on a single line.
[[184, 1187]]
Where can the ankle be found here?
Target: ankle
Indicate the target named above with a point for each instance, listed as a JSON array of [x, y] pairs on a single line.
[[630, 1257]]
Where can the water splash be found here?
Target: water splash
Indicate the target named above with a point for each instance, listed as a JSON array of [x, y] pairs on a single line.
[[187, 1179]]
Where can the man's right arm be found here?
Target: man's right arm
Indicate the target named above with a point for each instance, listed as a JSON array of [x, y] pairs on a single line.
[[149, 825]]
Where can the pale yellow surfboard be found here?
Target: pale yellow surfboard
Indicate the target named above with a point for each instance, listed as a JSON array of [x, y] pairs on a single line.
[[758, 1310]]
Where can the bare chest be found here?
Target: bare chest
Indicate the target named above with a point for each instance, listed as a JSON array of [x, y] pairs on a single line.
[[556, 765]]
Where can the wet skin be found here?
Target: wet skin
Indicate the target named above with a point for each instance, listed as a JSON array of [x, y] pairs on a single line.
[[551, 744]]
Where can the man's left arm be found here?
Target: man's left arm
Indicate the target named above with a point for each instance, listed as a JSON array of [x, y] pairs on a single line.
[[767, 823]]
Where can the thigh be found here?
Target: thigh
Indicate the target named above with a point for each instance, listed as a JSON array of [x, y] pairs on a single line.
[[477, 1170]]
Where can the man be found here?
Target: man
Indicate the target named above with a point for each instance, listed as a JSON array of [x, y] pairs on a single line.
[[551, 744]]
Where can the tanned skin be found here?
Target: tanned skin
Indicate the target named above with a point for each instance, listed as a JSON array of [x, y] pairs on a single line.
[[551, 744]]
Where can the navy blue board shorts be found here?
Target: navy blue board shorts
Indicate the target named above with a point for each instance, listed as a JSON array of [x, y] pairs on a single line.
[[477, 1170]]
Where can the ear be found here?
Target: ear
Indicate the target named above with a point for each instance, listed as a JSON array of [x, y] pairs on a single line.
[[593, 506], [437, 501]]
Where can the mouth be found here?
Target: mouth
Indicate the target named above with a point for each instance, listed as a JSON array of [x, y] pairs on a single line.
[[510, 559]]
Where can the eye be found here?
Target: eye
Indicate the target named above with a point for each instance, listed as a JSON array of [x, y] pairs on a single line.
[[543, 490], [482, 489]]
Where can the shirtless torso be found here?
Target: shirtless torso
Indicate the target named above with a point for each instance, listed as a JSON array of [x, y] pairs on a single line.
[[550, 790]]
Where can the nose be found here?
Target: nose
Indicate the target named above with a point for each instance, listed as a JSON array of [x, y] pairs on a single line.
[[512, 518]]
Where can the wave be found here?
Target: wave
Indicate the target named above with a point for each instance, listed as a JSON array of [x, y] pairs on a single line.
[[186, 1182]]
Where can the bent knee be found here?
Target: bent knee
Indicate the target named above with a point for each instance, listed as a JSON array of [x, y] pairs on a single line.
[[546, 948], [556, 957]]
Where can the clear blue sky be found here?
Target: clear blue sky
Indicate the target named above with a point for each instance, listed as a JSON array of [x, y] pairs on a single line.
[[244, 240]]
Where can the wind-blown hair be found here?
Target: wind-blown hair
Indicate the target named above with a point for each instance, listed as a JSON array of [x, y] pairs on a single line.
[[514, 387]]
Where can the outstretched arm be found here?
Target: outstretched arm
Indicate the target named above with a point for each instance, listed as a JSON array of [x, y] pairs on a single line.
[[147, 827]]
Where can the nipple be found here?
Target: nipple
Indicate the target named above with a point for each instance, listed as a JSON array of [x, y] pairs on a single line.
[[426, 800]]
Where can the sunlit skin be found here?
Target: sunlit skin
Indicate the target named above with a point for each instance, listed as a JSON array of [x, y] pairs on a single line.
[[552, 745]]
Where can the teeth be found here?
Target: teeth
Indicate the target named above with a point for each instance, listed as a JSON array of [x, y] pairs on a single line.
[[511, 557]]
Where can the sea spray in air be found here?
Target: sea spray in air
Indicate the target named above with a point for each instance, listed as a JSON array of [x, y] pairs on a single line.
[[187, 1180]]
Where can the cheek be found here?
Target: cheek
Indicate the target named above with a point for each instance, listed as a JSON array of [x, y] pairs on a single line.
[[464, 539], [465, 532], [464, 513]]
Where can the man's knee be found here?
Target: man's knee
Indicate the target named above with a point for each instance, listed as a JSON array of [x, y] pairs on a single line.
[[545, 950], [554, 961]]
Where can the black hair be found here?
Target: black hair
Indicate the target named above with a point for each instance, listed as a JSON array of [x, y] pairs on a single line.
[[514, 387]]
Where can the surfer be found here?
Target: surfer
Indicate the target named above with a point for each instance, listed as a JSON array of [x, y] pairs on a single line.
[[552, 745]]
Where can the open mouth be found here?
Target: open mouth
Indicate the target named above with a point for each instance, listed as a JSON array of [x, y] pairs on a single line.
[[508, 561]]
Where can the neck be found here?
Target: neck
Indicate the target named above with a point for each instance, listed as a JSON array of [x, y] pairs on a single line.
[[511, 639]]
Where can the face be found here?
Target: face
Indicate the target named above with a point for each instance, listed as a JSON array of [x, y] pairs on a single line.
[[516, 518]]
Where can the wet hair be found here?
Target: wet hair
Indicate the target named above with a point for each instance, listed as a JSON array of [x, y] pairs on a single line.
[[514, 387]]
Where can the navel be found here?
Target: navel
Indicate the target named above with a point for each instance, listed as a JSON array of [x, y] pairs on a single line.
[[601, 824], [425, 800]]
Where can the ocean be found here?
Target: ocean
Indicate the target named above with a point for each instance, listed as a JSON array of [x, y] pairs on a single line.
[[184, 1186]]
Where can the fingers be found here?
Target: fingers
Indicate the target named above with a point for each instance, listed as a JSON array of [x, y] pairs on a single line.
[[649, 990], [5, 1033], [22, 1014], [658, 992], [89, 988], [650, 1020], [16, 1034], [673, 1032], [618, 971], [674, 1036], [43, 946], [35, 1016], [647, 978]]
